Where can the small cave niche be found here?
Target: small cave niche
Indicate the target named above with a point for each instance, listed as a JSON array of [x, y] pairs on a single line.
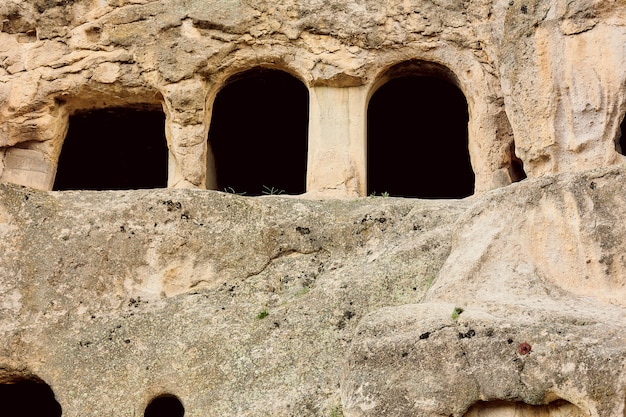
[[114, 149], [417, 139], [558, 408], [516, 167], [28, 398], [165, 405], [259, 133]]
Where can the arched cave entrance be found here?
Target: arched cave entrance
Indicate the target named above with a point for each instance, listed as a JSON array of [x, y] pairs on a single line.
[[165, 406], [259, 133], [114, 149], [417, 143], [28, 398]]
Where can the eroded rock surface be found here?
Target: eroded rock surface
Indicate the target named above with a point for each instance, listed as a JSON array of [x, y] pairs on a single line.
[[528, 309], [511, 302], [282, 306], [115, 297]]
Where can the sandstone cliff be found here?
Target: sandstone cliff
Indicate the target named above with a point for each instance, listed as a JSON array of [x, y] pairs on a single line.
[[289, 307], [543, 79], [510, 302]]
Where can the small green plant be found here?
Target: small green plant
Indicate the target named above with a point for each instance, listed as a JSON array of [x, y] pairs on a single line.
[[262, 314], [271, 191], [456, 313], [336, 411], [384, 194]]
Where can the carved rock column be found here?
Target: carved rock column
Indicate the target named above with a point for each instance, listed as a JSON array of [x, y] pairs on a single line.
[[337, 141]]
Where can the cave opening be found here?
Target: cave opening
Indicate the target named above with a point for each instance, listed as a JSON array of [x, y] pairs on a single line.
[[29, 398], [259, 133], [516, 167], [417, 139], [114, 149], [165, 406]]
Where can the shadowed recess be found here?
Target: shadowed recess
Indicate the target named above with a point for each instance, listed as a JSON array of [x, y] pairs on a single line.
[[165, 406], [558, 408], [114, 149], [28, 398], [417, 140], [259, 133], [516, 166]]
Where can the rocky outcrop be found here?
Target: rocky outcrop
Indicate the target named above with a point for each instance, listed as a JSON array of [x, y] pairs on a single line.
[[510, 302], [543, 79]]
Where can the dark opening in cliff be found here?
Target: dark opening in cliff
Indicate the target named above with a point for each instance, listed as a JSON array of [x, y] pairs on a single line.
[[518, 409], [417, 139], [165, 406], [516, 167], [259, 133], [114, 149], [28, 398]]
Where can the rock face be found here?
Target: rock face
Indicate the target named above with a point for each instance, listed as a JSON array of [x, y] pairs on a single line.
[[511, 302], [283, 306], [543, 79]]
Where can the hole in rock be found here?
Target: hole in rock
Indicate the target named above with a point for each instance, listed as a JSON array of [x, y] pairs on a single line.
[[516, 169], [259, 133], [417, 139], [556, 408], [165, 406], [114, 149], [29, 398]]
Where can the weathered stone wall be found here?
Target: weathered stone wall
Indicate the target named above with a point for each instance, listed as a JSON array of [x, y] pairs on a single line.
[[507, 303], [113, 298], [546, 76]]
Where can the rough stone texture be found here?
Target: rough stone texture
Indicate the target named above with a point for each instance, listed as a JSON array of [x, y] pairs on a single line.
[[543, 75], [113, 298], [538, 263], [302, 307]]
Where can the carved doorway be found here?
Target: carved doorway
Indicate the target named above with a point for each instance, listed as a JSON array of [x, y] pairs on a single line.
[[417, 138], [114, 149], [259, 133]]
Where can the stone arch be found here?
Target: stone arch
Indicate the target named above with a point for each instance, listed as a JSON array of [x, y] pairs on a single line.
[[28, 396], [258, 136], [558, 408], [412, 107], [165, 405], [114, 148]]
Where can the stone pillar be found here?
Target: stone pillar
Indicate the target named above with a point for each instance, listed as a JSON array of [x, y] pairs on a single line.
[[337, 142], [186, 129]]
